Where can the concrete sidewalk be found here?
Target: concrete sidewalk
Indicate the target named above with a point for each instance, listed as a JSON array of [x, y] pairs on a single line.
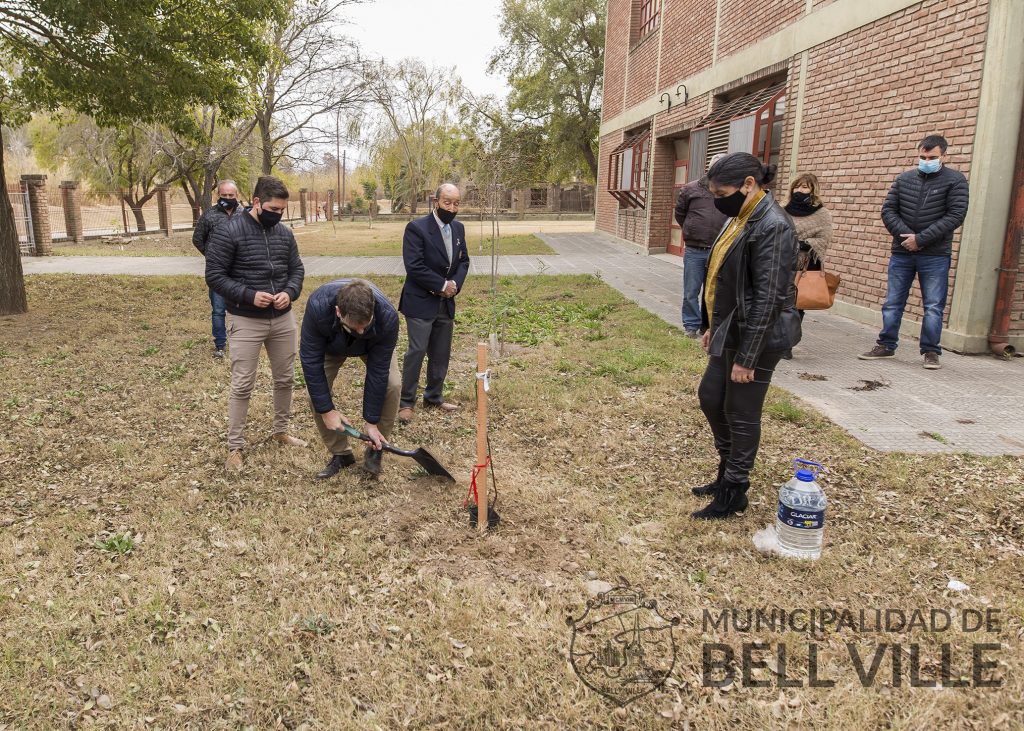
[[973, 404]]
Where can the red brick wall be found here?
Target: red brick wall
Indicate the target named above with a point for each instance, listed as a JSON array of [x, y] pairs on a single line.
[[615, 52], [687, 38], [659, 201], [1017, 306], [870, 97], [643, 68], [605, 207], [745, 22]]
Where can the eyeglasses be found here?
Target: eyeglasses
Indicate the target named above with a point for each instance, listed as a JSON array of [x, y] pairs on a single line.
[[353, 330]]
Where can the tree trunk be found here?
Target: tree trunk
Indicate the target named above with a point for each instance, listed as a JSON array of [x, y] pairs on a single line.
[[209, 183], [266, 145], [136, 209], [591, 157], [12, 278]]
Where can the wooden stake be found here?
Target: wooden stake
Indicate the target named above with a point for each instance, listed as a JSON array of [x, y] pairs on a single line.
[[481, 438]]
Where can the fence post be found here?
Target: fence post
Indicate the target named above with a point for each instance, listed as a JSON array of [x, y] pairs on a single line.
[[72, 200], [303, 194], [39, 204], [163, 209], [330, 206], [554, 198]]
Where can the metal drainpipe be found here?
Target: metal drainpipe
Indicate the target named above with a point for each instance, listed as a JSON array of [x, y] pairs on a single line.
[[998, 338]]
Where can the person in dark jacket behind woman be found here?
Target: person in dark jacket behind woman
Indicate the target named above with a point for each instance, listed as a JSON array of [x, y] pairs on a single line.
[[749, 321], [350, 318], [922, 210], [225, 208], [700, 222], [252, 261]]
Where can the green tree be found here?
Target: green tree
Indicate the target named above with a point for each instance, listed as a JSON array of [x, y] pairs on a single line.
[[415, 103], [553, 58], [121, 159], [139, 61]]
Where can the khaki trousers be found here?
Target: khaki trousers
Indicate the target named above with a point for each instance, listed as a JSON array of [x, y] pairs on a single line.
[[337, 442], [246, 337]]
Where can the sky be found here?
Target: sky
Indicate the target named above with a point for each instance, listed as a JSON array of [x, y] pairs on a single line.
[[460, 31], [463, 32]]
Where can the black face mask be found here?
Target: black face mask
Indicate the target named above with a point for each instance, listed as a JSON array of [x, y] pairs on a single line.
[[731, 205], [269, 219], [227, 204], [799, 197], [446, 216]]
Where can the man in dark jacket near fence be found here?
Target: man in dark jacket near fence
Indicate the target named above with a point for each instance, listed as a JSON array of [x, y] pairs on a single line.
[[350, 318], [252, 261], [922, 210], [701, 223], [221, 212]]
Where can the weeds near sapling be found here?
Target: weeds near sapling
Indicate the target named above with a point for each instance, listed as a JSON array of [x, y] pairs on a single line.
[[317, 625], [117, 545], [786, 410], [151, 350]]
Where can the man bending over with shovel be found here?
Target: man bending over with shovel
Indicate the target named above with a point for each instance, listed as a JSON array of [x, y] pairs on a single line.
[[350, 318]]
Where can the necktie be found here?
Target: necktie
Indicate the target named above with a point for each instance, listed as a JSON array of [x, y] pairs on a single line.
[[447, 230]]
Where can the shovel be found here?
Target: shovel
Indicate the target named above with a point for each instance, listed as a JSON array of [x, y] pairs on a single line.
[[423, 458]]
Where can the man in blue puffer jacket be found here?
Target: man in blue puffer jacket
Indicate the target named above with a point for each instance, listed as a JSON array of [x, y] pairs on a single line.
[[922, 210], [350, 318]]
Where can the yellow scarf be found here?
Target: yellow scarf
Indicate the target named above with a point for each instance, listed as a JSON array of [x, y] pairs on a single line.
[[721, 248]]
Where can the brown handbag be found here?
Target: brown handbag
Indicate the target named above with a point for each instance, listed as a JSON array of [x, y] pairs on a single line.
[[815, 290]]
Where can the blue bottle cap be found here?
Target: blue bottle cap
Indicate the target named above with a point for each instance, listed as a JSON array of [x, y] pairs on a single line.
[[805, 475]]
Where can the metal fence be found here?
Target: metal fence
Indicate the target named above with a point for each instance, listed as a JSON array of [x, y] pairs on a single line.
[[22, 218]]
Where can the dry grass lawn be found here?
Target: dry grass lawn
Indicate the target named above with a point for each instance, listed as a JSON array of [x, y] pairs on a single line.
[[140, 587], [347, 238]]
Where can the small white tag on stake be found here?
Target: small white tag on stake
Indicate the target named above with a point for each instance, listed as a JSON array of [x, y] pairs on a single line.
[[486, 378]]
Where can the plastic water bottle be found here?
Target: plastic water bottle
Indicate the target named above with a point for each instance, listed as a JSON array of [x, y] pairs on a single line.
[[800, 523]]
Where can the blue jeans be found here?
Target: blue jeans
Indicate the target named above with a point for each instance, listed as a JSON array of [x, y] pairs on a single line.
[[695, 269], [220, 333], [933, 276]]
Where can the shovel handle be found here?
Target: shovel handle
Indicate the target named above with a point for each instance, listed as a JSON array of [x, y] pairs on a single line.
[[353, 432]]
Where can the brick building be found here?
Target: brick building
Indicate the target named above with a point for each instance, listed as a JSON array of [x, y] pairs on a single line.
[[841, 88]]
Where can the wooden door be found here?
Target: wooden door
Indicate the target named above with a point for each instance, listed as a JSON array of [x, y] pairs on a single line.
[[675, 240]]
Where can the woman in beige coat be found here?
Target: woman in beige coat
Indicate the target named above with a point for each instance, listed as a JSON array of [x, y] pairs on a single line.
[[811, 219]]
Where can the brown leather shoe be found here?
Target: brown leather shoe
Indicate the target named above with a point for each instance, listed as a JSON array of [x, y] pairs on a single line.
[[405, 414], [234, 461], [287, 440], [445, 406]]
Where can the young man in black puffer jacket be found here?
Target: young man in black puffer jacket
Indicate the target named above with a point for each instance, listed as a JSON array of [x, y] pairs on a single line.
[[253, 263], [922, 210]]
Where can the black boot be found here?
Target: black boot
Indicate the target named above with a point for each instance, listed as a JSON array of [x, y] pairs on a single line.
[[730, 498], [709, 489], [337, 464], [371, 460]]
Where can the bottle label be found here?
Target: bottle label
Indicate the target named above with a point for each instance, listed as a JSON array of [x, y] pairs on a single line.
[[801, 518]]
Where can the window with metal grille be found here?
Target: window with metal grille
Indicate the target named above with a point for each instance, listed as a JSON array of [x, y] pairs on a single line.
[[648, 16], [751, 123], [627, 170]]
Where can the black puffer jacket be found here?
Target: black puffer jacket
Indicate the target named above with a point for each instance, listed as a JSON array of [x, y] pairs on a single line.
[[932, 206], [322, 334], [243, 258], [210, 220], [755, 297]]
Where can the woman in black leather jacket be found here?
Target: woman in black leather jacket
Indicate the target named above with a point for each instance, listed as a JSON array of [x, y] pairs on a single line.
[[749, 320]]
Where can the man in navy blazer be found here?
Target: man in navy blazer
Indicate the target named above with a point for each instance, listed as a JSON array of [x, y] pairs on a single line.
[[436, 263]]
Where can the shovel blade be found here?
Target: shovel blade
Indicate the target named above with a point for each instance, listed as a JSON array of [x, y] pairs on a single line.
[[428, 462]]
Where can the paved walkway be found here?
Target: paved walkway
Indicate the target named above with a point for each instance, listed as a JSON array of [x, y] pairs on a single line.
[[973, 404]]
